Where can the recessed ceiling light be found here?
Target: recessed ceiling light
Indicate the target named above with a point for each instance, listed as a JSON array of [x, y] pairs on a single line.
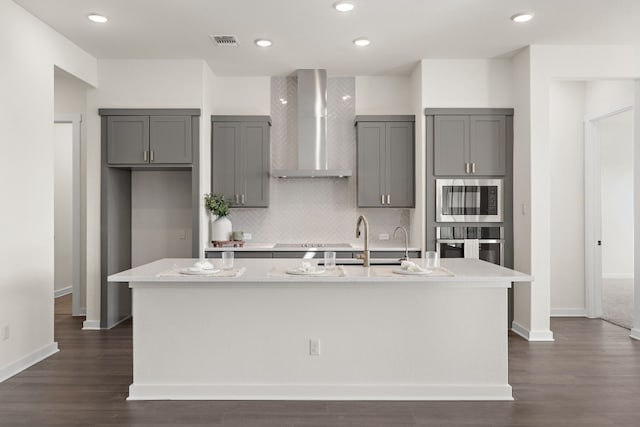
[[362, 41], [263, 42], [522, 17], [343, 6], [100, 19]]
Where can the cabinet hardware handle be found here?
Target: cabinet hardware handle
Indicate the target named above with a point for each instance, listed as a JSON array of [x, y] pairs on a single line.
[[144, 155], [151, 155], [466, 167], [388, 199], [382, 199], [473, 167], [242, 199], [235, 198]]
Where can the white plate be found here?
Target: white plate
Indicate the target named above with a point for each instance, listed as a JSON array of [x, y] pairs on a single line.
[[411, 273], [199, 272], [305, 273]]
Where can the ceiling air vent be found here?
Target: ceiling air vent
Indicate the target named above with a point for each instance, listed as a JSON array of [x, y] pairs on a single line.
[[230, 41]]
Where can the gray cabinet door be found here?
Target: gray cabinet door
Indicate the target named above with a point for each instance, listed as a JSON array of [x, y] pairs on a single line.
[[241, 162], [127, 139], [451, 145], [400, 175], [255, 164], [170, 139], [487, 146], [371, 164], [225, 152]]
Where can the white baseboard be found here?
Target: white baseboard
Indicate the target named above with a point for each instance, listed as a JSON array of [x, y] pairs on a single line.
[[635, 334], [531, 335], [319, 392], [28, 361], [617, 276], [62, 292], [568, 312], [91, 325]]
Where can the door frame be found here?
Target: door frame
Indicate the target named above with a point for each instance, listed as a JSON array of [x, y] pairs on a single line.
[[75, 120], [593, 212]]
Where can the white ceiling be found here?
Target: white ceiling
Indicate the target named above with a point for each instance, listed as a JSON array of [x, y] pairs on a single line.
[[311, 34]]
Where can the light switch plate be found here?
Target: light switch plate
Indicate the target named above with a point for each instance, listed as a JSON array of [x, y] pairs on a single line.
[[247, 236]]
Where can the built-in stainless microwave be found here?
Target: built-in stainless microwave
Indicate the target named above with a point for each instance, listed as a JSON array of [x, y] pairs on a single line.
[[469, 200]]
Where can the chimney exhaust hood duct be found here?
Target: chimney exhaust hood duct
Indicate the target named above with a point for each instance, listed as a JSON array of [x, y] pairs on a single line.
[[312, 129]]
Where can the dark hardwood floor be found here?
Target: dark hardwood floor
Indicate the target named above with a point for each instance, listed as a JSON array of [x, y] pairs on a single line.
[[590, 376]]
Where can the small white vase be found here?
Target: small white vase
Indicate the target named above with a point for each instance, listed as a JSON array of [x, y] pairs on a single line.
[[219, 228]]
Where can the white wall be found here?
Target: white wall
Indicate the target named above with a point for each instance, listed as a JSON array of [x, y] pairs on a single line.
[[134, 84], [521, 66], [472, 83], [418, 215], [62, 206], [208, 105], [566, 130], [241, 95], [70, 97], [603, 96], [546, 64], [569, 102], [615, 137], [383, 95], [29, 50]]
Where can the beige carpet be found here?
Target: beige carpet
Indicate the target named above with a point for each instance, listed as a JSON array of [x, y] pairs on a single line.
[[617, 301]]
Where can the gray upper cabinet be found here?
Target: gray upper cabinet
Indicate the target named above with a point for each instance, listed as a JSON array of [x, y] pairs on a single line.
[[469, 145], [487, 148], [241, 159], [138, 140], [127, 139], [170, 139], [386, 161]]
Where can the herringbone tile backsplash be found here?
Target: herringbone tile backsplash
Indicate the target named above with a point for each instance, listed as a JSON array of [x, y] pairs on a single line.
[[314, 210]]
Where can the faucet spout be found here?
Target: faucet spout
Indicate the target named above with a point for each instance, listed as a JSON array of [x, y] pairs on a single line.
[[364, 256], [406, 240]]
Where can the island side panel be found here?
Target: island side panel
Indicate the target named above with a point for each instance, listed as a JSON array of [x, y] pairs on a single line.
[[377, 341]]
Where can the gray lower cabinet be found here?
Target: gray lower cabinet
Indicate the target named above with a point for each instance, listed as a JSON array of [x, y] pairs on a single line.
[[300, 254], [139, 140], [240, 159], [318, 254], [469, 145], [386, 156], [240, 254]]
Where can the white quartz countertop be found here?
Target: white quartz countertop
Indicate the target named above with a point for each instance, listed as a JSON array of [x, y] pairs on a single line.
[[263, 271], [270, 247]]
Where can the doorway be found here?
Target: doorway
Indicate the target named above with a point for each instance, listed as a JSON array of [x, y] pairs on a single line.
[[67, 209], [609, 199]]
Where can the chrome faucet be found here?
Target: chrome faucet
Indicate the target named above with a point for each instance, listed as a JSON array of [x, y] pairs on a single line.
[[406, 240], [364, 256]]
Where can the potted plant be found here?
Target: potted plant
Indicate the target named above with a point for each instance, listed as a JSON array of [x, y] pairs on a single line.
[[220, 226]]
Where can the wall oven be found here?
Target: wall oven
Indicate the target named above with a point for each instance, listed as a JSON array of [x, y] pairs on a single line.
[[469, 200], [485, 243]]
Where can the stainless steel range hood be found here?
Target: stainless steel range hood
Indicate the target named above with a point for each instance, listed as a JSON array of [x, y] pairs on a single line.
[[312, 129]]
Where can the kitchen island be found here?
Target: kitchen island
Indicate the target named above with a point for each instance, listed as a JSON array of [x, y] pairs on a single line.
[[355, 334]]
